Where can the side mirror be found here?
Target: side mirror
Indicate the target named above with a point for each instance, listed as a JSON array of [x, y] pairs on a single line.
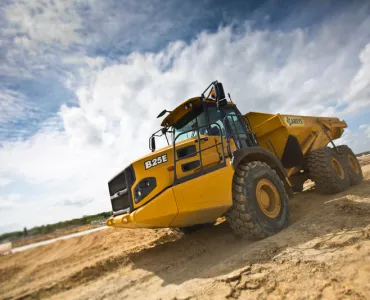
[[219, 91], [161, 114], [152, 143]]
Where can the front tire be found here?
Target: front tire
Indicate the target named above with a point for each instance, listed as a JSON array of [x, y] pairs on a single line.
[[260, 202]]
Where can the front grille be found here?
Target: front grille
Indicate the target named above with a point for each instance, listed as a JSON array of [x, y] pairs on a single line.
[[122, 184], [121, 203], [117, 184]]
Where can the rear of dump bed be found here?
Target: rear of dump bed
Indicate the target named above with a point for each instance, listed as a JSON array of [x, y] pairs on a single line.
[[292, 137]]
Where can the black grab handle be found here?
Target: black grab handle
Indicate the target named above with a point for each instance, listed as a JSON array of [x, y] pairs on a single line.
[[201, 139]]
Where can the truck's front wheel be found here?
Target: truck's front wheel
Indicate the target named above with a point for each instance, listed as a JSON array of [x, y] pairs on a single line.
[[260, 202]]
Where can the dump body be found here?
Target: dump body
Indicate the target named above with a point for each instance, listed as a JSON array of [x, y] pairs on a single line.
[[292, 137]]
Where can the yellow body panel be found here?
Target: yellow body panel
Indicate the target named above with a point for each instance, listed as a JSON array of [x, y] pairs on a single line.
[[165, 177], [199, 200], [272, 131], [157, 213], [205, 198]]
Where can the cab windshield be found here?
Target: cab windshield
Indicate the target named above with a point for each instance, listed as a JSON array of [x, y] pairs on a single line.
[[189, 122], [197, 118]]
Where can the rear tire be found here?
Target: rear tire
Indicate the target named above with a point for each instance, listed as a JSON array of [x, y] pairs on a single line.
[[260, 202], [352, 165], [328, 171]]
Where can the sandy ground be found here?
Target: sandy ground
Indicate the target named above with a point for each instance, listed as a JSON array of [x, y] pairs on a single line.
[[364, 160], [49, 236], [324, 253]]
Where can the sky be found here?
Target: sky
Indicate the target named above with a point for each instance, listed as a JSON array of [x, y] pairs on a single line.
[[81, 83]]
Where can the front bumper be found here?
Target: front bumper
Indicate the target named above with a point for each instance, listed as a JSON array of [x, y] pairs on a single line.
[[159, 212], [126, 221]]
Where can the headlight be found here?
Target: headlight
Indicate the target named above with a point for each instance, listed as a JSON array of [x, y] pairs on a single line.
[[143, 188]]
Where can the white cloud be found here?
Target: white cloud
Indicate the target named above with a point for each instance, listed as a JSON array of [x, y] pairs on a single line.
[[358, 141], [44, 22], [91, 62], [358, 94], [9, 201], [37, 34], [365, 128], [13, 106], [5, 181], [272, 71]]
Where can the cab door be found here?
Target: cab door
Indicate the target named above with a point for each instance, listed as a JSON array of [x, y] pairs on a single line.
[[237, 129], [203, 180], [196, 156], [204, 198]]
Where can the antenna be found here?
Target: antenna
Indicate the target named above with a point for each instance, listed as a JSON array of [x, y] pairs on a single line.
[[230, 98]]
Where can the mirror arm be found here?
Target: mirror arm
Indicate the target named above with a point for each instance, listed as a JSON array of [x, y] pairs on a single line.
[[168, 143], [212, 83]]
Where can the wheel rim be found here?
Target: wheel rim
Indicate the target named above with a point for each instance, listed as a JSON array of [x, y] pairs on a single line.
[[353, 164], [268, 198], [337, 167]]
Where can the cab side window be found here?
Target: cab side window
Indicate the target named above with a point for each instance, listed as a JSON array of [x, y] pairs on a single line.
[[237, 128], [215, 116]]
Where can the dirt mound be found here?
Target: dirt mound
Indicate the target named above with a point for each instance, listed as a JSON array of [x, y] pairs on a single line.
[[364, 160], [48, 236], [324, 252]]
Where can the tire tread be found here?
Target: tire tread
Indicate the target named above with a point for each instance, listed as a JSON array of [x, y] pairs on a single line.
[[322, 174], [241, 219]]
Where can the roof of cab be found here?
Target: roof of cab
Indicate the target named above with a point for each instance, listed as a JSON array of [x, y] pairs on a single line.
[[183, 109]]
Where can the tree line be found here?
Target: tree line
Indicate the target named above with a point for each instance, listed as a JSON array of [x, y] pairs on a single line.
[[43, 229]]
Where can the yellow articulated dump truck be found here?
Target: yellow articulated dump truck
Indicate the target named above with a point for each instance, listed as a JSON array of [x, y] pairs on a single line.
[[219, 162]]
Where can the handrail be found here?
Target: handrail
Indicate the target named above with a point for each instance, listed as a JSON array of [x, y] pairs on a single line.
[[250, 140], [200, 150]]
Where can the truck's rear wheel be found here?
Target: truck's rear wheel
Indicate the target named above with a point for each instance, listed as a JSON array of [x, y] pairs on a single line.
[[328, 171], [260, 202], [353, 166]]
